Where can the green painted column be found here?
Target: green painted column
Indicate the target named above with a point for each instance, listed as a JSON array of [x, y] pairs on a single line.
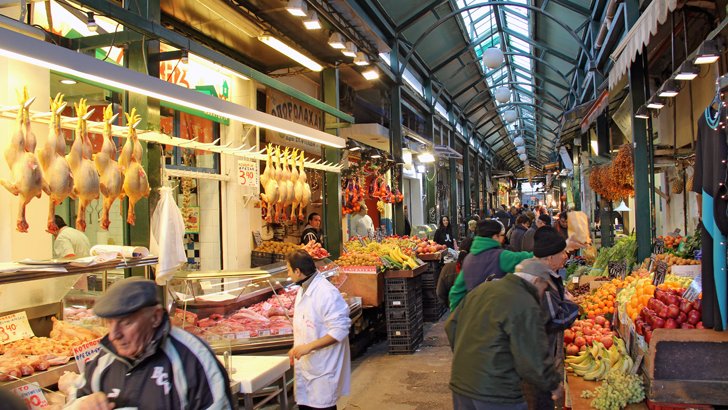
[[643, 220], [603, 143], [466, 180], [430, 177], [138, 235], [332, 181], [395, 140], [477, 180], [453, 203]]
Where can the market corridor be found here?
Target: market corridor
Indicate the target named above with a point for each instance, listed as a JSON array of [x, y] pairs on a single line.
[[403, 382]]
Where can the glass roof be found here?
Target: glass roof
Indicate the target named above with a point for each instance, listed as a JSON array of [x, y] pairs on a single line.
[[482, 27]]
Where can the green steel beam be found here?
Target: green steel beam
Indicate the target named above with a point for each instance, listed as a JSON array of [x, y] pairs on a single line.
[[395, 142], [545, 47], [637, 86], [332, 180], [155, 30], [466, 181], [415, 17], [584, 11]]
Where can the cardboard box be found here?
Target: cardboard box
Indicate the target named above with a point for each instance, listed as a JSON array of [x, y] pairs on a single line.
[[365, 282]]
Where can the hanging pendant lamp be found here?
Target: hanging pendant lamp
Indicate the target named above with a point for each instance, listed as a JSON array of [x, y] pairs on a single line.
[[510, 116], [493, 57], [502, 94]]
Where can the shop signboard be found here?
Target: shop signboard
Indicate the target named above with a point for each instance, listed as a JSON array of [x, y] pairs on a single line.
[[288, 108], [248, 177], [15, 327]]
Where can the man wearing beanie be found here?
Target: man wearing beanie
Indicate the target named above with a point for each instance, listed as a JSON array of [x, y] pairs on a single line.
[[549, 250], [527, 242], [487, 259], [499, 340], [144, 361]]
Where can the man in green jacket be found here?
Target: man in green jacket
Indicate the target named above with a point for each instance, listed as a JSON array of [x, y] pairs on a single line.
[[486, 258], [499, 339]]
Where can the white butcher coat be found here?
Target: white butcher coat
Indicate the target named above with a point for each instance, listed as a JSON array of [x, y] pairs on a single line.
[[323, 375]]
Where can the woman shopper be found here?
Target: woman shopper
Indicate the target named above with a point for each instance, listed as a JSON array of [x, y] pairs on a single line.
[[443, 234], [320, 350], [450, 272]]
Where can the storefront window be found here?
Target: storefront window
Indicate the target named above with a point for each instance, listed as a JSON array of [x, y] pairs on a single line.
[[198, 197]]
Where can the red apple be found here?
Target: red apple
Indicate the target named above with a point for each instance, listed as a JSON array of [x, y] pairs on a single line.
[[687, 326], [694, 317], [580, 341], [607, 324], [673, 311], [658, 322], [648, 336], [607, 341], [699, 325], [600, 320], [568, 336], [663, 313], [682, 318], [673, 299], [671, 324], [589, 340], [572, 350], [698, 305], [685, 306]]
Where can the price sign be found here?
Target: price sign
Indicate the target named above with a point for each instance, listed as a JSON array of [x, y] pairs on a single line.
[[15, 327], [285, 331], [575, 279], [617, 269], [242, 335], [659, 246], [257, 238], [85, 352], [248, 177], [264, 333], [653, 260], [660, 273], [32, 395]]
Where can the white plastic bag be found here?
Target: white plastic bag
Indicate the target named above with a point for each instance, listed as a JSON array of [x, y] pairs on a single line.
[[167, 233]]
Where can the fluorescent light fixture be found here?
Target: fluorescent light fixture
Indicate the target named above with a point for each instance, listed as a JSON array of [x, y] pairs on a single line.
[[68, 81], [311, 22], [361, 59], [336, 40], [688, 71], [376, 155], [67, 62], [708, 53], [642, 113], [91, 22], [286, 50], [421, 169], [297, 8], [349, 49], [668, 90], [595, 147], [371, 74], [355, 148], [655, 103], [407, 156], [426, 157]]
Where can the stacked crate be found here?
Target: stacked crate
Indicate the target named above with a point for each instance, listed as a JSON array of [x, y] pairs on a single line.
[[404, 314], [432, 308]]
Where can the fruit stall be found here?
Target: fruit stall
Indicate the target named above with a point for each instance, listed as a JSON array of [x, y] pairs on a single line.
[[640, 340]]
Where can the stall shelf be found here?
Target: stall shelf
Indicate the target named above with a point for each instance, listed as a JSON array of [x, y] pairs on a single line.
[[40, 291]]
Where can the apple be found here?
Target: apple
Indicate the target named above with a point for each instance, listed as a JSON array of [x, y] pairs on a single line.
[[698, 305], [663, 313], [589, 332], [568, 336], [694, 317], [699, 325], [600, 320], [572, 350], [673, 299], [589, 340], [607, 324], [658, 323], [580, 341], [607, 341], [686, 306], [673, 311], [582, 349], [687, 326], [671, 324], [682, 318], [648, 336]]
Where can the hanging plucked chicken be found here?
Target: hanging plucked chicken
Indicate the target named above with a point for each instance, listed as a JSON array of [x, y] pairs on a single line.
[[85, 176], [306, 197], [286, 186], [136, 184], [297, 186], [27, 177], [270, 185], [111, 176], [56, 170]]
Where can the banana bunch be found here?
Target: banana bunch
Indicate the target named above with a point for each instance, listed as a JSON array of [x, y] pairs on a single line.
[[397, 259], [597, 361]]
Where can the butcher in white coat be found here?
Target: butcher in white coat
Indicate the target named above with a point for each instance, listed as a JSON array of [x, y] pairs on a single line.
[[320, 337]]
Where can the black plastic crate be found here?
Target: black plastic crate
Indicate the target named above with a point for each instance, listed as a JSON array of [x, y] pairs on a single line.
[[404, 316], [404, 330], [260, 259], [429, 295], [402, 285], [404, 345], [433, 313]]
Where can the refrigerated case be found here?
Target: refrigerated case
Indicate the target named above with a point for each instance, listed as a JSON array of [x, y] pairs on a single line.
[[243, 311]]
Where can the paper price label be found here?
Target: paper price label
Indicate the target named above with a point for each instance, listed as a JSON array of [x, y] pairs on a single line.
[[32, 395], [285, 331], [229, 336], [248, 176], [242, 335], [660, 273], [15, 327], [575, 279], [263, 333], [85, 352]]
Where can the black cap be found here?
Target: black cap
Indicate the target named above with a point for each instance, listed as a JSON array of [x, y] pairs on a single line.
[[126, 297], [489, 227], [547, 242]]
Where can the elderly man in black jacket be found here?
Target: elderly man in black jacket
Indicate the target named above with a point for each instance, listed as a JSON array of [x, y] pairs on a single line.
[[144, 362]]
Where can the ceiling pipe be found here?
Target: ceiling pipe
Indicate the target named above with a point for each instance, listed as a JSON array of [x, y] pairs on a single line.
[[611, 11]]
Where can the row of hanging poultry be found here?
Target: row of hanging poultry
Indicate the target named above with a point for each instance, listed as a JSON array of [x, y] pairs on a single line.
[[80, 174], [284, 185]]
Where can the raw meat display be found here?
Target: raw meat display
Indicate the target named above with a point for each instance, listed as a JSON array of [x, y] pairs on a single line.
[[56, 171], [270, 316], [136, 184], [25, 357], [111, 176], [27, 176], [85, 176], [81, 316]]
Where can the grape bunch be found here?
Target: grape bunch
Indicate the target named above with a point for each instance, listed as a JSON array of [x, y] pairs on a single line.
[[618, 390]]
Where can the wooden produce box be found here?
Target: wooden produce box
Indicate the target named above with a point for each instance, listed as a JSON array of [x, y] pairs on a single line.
[[364, 281], [431, 257], [575, 385], [687, 366], [413, 273]]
